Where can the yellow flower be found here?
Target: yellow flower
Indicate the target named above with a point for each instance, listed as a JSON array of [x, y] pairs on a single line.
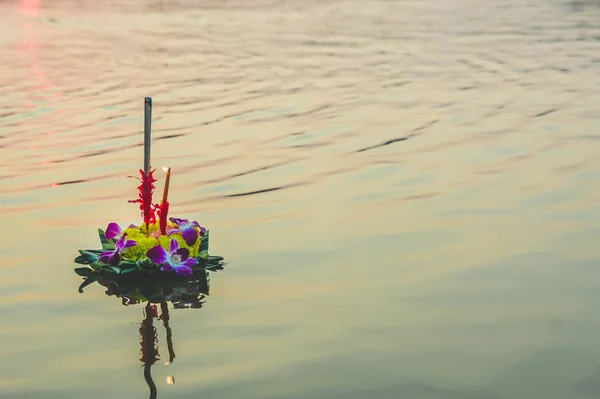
[[194, 249], [139, 251], [151, 228], [134, 233], [144, 242]]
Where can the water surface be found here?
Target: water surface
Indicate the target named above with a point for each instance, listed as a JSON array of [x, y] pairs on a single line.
[[406, 193]]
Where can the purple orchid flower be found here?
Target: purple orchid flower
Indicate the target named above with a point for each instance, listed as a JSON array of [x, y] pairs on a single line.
[[177, 259], [187, 229], [113, 257], [113, 231]]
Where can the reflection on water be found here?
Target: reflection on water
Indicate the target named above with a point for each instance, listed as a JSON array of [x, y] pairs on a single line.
[[156, 292], [405, 192], [149, 342]]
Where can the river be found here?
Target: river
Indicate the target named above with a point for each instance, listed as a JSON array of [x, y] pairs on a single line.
[[405, 193]]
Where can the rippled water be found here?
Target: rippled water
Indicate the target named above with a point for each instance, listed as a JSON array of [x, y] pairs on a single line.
[[406, 193]]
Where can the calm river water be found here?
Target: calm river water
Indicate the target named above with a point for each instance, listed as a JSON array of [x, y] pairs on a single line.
[[406, 193]]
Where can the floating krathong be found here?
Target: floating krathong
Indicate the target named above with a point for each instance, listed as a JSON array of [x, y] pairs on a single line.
[[160, 245]]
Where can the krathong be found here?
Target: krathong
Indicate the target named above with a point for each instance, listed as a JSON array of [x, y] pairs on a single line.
[[160, 244]]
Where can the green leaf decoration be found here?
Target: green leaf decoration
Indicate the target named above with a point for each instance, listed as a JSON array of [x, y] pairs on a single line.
[[107, 244], [89, 280], [204, 244], [81, 260], [84, 271], [145, 263], [200, 266], [111, 268], [97, 265], [86, 257], [129, 270], [203, 255]]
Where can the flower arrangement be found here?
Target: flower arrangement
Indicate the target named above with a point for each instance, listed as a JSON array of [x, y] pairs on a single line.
[[172, 245], [161, 244]]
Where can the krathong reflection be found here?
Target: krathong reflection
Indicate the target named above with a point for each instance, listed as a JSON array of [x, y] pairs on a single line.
[[156, 291], [156, 263]]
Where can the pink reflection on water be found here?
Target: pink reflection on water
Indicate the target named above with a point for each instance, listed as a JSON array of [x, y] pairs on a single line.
[[32, 49], [30, 7]]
